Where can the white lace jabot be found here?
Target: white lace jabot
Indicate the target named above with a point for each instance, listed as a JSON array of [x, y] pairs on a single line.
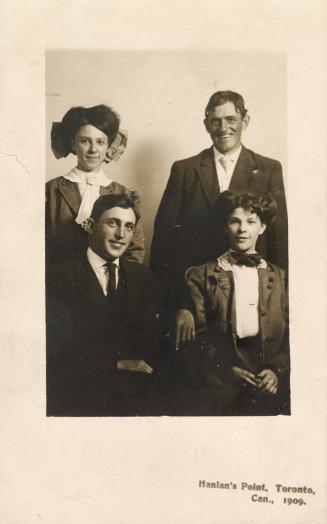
[[89, 184]]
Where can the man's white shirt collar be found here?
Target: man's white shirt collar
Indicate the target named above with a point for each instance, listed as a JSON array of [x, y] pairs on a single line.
[[233, 156], [96, 261]]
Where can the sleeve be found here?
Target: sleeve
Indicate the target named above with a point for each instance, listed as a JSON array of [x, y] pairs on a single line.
[[197, 303], [278, 231], [136, 249], [150, 322], [280, 361], [163, 242], [50, 213], [204, 357]]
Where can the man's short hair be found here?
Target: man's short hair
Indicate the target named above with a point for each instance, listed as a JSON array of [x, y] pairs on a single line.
[[263, 205], [220, 97], [105, 202]]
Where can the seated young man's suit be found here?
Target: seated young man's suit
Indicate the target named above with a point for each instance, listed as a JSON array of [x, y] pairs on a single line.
[[87, 335]]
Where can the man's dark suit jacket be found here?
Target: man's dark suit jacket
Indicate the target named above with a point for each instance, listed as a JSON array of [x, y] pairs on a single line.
[[185, 229], [87, 334], [64, 237]]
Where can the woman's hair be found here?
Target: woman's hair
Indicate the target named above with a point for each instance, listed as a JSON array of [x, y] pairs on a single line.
[[105, 202], [263, 205], [63, 133]]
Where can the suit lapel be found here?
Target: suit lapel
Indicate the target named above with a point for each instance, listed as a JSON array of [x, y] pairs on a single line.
[[88, 283], [244, 170], [70, 193], [130, 280], [207, 174], [224, 296], [224, 281]]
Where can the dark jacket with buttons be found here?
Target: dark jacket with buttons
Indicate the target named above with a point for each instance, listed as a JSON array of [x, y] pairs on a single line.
[[87, 334], [212, 294]]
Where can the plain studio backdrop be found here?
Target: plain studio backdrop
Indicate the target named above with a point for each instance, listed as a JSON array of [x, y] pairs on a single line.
[[160, 97]]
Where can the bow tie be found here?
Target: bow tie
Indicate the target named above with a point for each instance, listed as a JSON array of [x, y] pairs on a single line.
[[242, 259]]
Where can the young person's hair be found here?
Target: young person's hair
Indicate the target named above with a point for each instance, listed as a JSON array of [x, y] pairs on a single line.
[[105, 202], [101, 116], [263, 205], [220, 97]]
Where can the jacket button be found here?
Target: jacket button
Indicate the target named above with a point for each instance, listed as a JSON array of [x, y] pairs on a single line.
[[269, 286], [263, 313], [271, 279]]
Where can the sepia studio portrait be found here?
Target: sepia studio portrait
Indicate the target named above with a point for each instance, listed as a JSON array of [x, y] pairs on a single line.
[[166, 234]]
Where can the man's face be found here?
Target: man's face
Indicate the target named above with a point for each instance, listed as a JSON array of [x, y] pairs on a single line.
[[243, 229], [225, 126], [111, 235]]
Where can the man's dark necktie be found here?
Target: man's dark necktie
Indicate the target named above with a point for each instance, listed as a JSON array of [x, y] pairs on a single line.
[[243, 259], [111, 290]]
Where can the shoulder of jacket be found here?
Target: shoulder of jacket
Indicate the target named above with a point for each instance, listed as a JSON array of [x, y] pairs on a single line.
[[54, 182], [192, 159], [120, 188], [261, 158], [278, 270], [202, 269], [63, 269], [135, 267]]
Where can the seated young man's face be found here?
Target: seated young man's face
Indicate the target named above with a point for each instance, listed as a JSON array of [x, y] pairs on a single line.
[[243, 229], [111, 235]]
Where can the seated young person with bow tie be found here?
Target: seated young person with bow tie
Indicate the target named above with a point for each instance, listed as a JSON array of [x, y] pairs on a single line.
[[103, 316], [240, 357], [94, 136]]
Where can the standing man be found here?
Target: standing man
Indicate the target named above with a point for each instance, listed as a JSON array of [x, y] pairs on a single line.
[[103, 322], [185, 229]]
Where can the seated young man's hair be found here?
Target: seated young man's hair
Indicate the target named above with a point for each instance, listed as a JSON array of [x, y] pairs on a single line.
[[105, 202], [263, 205]]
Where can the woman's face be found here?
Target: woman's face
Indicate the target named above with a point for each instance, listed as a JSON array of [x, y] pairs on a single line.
[[243, 229], [90, 145]]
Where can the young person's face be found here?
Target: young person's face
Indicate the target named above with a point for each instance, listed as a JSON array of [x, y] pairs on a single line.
[[225, 125], [90, 145], [243, 229], [111, 235]]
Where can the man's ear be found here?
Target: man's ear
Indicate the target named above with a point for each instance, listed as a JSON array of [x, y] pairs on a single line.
[[245, 122], [206, 123], [263, 228], [89, 225]]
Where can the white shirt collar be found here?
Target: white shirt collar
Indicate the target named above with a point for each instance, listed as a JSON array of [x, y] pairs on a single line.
[[233, 156], [224, 261], [96, 261]]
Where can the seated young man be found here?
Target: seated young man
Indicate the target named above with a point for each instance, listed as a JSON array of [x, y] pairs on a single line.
[[239, 362], [102, 322]]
